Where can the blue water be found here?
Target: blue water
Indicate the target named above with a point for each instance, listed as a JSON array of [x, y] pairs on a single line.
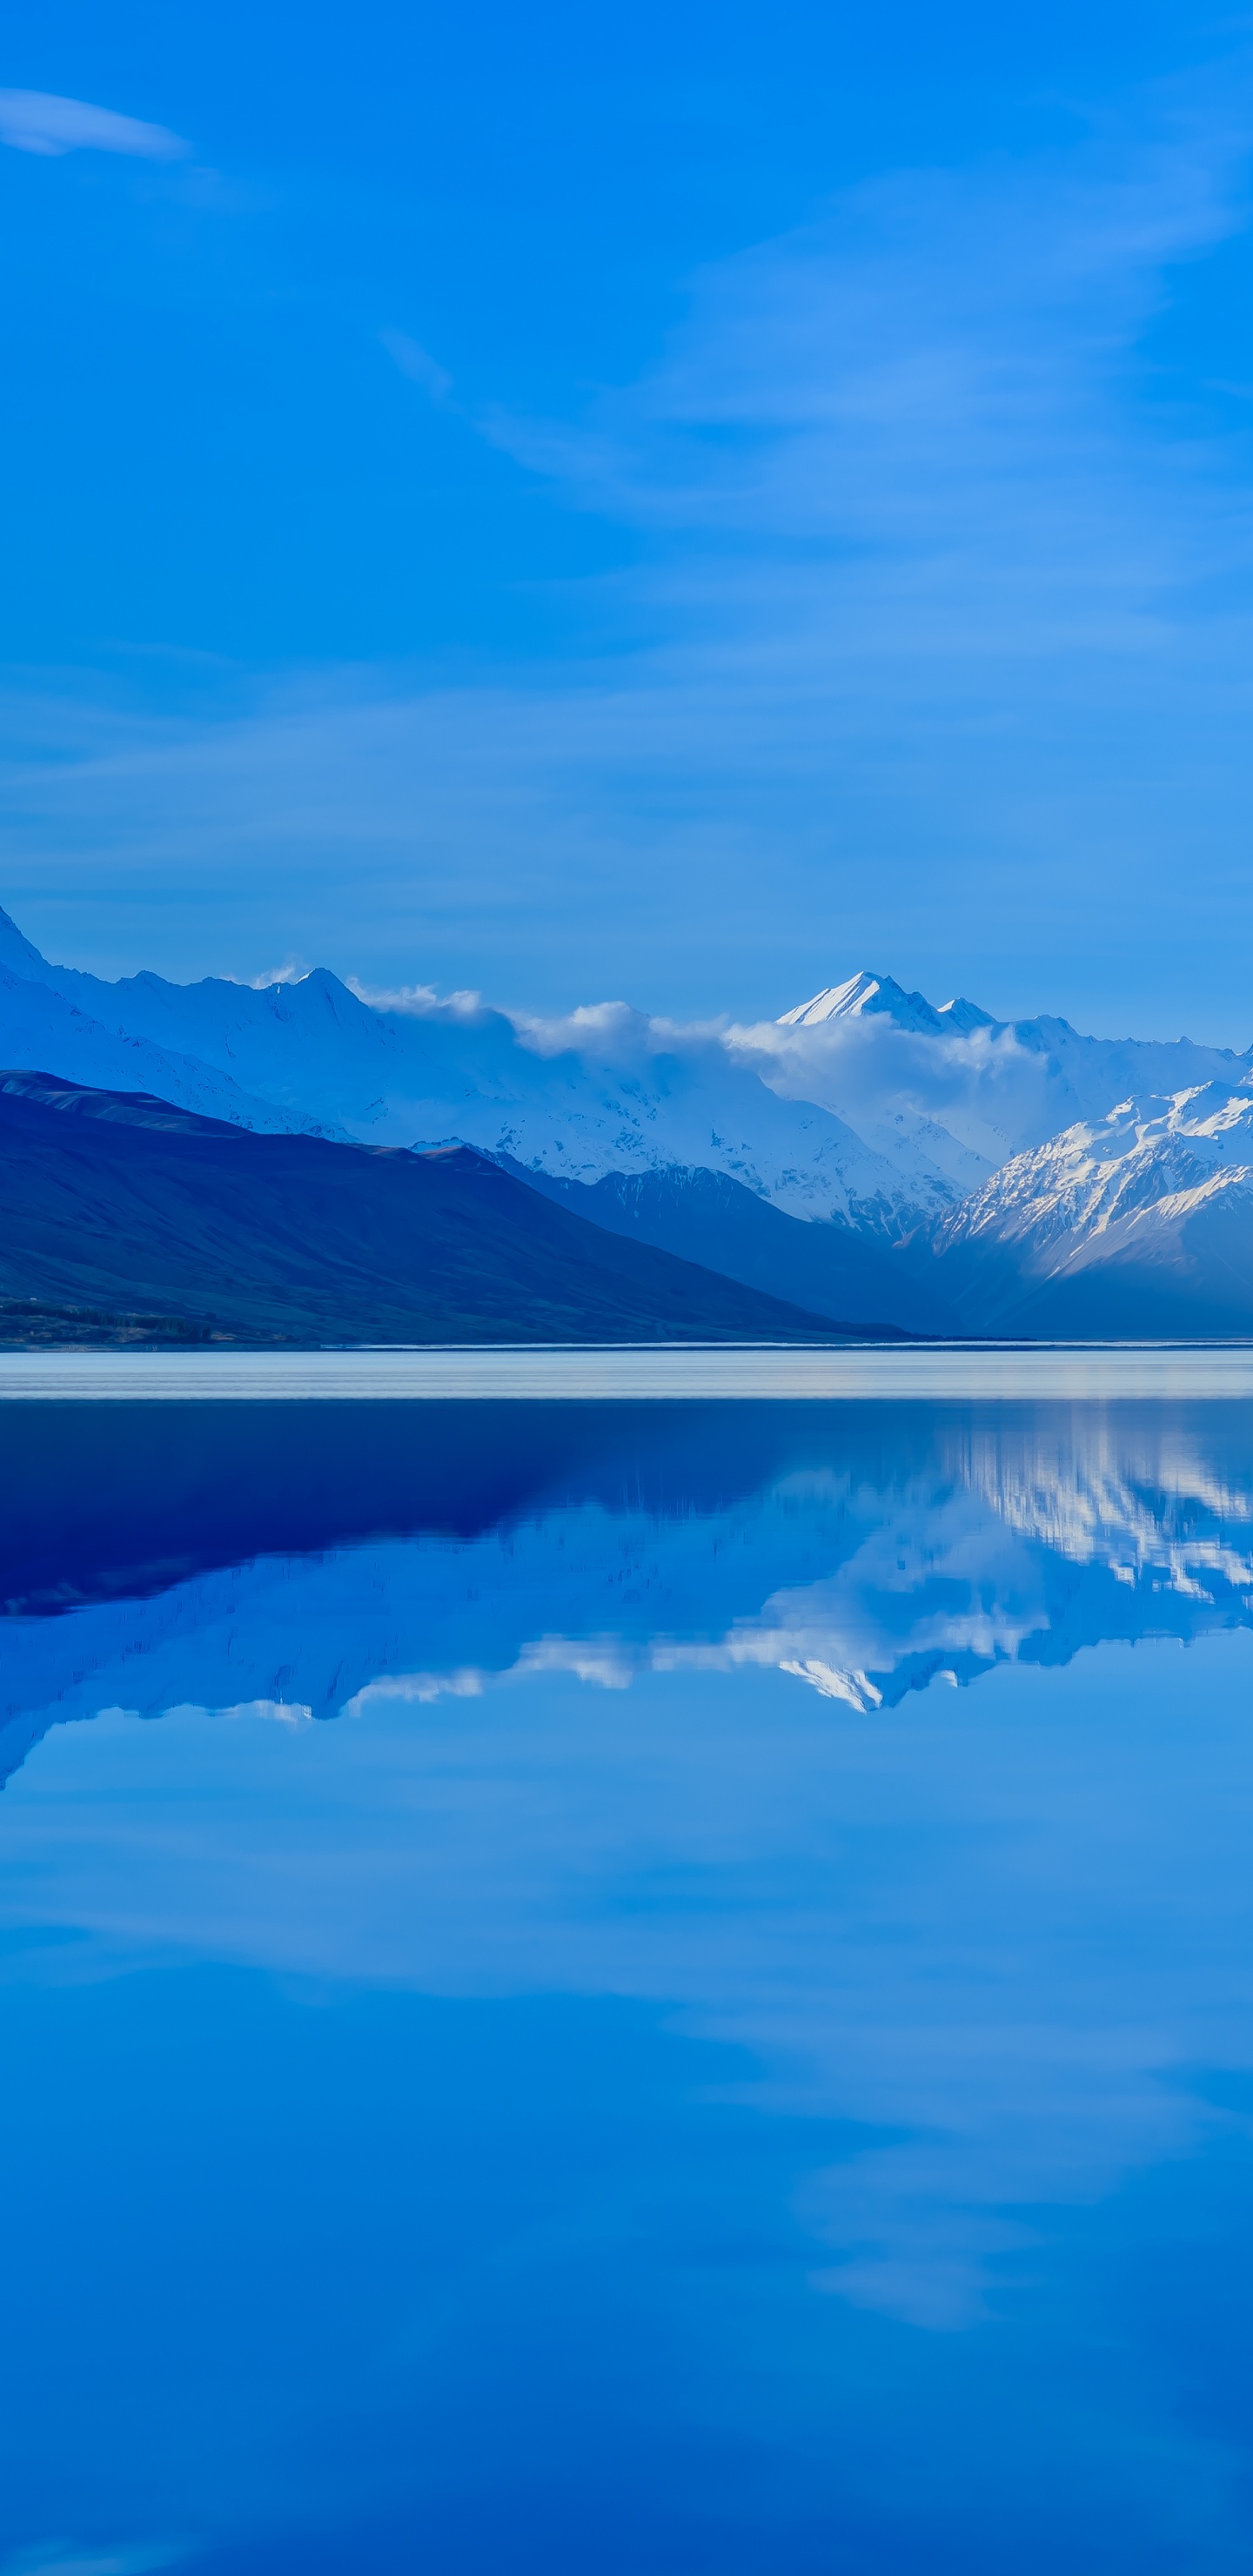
[[626, 1987]]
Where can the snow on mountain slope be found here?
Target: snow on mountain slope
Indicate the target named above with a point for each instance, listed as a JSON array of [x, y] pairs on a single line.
[[1100, 1072], [965, 1090], [639, 1098], [865, 992], [607, 1090], [44, 1031], [1075, 1196], [867, 1105], [1145, 1215]]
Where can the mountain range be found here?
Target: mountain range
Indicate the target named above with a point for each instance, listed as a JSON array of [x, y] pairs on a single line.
[[869, 1157]]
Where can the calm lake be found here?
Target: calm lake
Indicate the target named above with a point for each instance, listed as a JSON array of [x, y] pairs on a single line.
[[603, 1979]]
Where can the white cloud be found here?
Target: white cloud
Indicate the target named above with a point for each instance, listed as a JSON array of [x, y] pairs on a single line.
[[420, 1001], [602, 1661], [33, 121], [295, 972], [416, 362], [933, 371], [423, 1688]]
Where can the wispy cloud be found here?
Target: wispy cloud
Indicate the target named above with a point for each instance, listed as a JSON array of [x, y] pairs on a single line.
[[294, 972], [916, 423], [417, 364], [32, 120], [939, 599]]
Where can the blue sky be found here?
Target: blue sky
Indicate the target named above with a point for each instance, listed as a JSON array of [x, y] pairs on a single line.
[[678, 506]]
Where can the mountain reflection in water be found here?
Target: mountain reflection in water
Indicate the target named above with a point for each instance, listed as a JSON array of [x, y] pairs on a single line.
[[312, 1555], [756, 2112]]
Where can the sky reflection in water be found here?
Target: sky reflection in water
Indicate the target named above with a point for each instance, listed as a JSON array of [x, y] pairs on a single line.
[[670, 2078]]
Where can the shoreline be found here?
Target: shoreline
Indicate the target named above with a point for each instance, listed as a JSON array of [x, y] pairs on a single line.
[[961, 1372]]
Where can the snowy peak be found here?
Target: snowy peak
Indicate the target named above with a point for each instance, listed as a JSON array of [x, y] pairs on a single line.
[[835, 1002], [966, 1016], [866, 992]]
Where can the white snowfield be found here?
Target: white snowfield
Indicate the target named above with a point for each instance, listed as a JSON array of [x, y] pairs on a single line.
[[865, 1106], [1128, 1186]]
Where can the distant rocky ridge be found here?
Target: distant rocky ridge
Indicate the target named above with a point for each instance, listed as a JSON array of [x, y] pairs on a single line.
[[907, 1164]]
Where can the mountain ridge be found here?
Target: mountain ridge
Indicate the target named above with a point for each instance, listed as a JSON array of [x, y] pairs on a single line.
[[126, 1204], [1147, 1213], [624, 1093], [706, 1216]]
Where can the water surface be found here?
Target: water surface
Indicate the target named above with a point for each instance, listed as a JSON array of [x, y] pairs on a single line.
[[642, 1985]]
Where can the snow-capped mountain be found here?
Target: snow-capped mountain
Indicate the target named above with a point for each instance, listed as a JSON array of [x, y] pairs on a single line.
[[606, 1091], [42, 1031], [968, 1090], [1147, 1213], [990, 1165], [867, 1105], [864, 992]]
